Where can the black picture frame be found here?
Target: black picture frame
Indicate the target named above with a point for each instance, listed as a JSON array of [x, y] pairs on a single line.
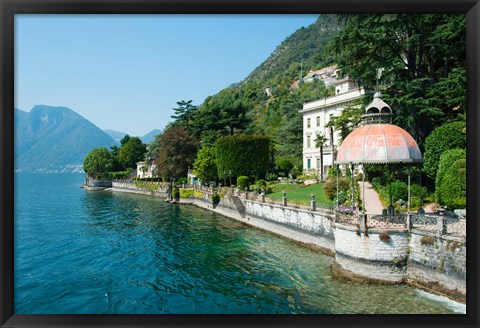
[[8, 8]]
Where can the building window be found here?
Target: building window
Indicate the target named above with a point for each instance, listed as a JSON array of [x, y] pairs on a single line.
[[318, 164], [308, 163], [308, 141], [318, 120], [308, 122]]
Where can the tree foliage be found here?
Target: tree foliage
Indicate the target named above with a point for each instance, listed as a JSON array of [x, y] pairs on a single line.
[[124, 140], [422, 58], [98, 163], [132, 152], [348, 120], [320, 142], [243, 154], [222, 114], [445, 137], [177, 151], [184, 113], [205, 166], [451, 182]]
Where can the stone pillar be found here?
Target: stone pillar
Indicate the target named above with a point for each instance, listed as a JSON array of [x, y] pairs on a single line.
[[441, 227], [284, 199], [313, 205], [363, 222], [409, 222], [246, 193]]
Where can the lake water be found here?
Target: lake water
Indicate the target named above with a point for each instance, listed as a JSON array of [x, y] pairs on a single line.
[[84, 252]]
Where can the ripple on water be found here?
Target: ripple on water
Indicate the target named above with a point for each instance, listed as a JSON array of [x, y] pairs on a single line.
[[97, 252]]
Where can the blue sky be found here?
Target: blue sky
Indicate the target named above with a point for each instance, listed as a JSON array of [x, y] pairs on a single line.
[[126, 72]]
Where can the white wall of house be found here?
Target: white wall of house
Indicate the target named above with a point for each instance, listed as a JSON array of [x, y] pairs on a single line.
[[317, 114], [148, 173]]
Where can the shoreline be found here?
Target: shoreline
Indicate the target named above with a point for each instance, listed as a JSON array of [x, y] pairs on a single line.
[[323, 244]]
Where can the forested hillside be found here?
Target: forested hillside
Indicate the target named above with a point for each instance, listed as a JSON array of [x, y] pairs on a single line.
[[305, 45], [417, 61], [247, 108]]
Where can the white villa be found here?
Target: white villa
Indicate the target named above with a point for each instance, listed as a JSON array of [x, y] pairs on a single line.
[[145, 171], [317, 114]]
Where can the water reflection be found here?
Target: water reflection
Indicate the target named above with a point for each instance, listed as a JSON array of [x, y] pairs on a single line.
[[121, 253]]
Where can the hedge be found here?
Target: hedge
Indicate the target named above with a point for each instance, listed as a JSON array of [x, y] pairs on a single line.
[[243, 182], [448, 136], [451, 182], [243, 154]]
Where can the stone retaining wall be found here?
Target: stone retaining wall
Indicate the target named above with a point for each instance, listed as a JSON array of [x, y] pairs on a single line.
[[97, 183], [436, 265], [368, 256]]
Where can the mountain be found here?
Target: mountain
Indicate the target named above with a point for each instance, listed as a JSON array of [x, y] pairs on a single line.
[[116, 135], [150, 136], [19, 115], [55, 139], [301, 51]]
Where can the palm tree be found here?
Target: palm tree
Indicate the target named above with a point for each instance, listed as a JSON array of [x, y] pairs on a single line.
[[320, 142]]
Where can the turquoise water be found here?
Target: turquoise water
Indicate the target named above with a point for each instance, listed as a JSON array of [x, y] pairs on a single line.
[[82, 252]]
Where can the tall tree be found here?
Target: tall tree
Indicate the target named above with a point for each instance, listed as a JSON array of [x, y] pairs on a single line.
[[205, 166], [98, 163], [183, 113], [222, 114], [177, 151], [348, 120], [420, 55], [132, 152], [124, 140], [320, 142]]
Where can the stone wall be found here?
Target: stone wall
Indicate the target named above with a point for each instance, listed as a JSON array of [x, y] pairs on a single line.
[[438, 264], [425, 260], [313, 228], [94, 183], [366, 257]]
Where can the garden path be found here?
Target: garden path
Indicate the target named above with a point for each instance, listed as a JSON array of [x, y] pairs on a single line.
[[373, 205]]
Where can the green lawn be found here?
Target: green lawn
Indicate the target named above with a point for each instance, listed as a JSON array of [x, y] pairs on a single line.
[[300, 194]]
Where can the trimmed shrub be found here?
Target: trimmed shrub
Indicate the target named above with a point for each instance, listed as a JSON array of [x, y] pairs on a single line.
[[216, 198], [451, 182], [176, 193], [448, 136], [399, 193], [243, 182], [259, 185], [121, 174], [186, 193], [270, 176], [332, 173], [243, 154], [330, 186]]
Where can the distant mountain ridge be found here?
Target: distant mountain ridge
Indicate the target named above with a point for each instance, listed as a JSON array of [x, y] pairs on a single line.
[[146, 139], [115, 135], [55, 139], [150, 136]]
